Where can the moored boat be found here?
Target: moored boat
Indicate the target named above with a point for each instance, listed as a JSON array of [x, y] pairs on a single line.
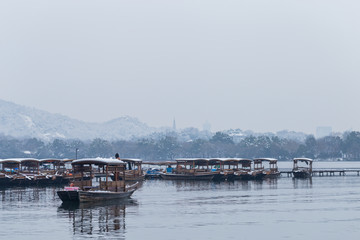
[[69, 194], [190, 169], [216, 167], [11, 169], [133, 170], [244, 171], [302, 171], [84, 189], [152, 173], [271, 169], [258, 170], [104, 195], [30, 168]]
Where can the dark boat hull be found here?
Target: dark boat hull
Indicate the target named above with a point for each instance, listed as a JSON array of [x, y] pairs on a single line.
[[93, 196], [130, 178], [243, 176], [68, 196], [5, 182], [174, 176], [301, 174], [219, 177], [272, 175], [258, 175]]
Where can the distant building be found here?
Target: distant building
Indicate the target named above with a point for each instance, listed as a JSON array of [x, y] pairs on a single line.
[[323, 132], [174, 125]]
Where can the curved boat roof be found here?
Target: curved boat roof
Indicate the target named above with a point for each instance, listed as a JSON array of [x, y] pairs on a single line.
[[197, 161], [10, 160], [50, 160], [213, 161], [160, 163], [130, 160], [265, 159], [303, 159], [19, 160], [98, 161], [243, 159]]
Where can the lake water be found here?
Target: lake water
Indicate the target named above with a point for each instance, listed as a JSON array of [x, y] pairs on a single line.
[[284, 208]]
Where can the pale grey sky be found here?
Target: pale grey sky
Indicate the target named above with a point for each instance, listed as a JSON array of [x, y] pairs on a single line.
[[250, 64]]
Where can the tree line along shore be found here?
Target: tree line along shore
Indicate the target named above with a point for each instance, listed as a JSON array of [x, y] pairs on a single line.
[[169, 147]]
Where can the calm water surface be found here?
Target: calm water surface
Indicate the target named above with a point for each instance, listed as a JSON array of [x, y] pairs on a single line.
[[324, 208]]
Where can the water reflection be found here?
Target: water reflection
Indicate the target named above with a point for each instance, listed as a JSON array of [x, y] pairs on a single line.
[[106, 219], [18, 194], [269, 183], [302, 183]]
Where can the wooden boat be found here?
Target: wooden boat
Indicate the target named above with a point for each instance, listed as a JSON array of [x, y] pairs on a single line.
[[175, 176], [104, 195], [228, 167], [11, 168], [88, 190], [304, 171], [190, 169], [133, 170], [216, 167], [270, 171], [64, 172], [30, 168], [244, 172], [154, 169], [55, 170], [258, 170], [69, 194]]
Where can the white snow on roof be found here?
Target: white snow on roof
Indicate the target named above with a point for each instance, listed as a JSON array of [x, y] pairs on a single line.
[[105, 161]]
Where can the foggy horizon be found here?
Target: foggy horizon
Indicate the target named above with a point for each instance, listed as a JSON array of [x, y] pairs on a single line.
[[253, 65]]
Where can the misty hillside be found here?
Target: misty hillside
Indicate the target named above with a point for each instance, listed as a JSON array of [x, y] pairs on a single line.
[[20, 121]]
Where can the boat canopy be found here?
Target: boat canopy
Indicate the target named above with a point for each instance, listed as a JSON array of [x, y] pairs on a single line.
[[19, 160], [193, 161], [166, 163], [11, 160], [51, 160], [132, 160], [30, 160], [302, 160], [243, 160], [270, 160], [98, 161], [215, 161]]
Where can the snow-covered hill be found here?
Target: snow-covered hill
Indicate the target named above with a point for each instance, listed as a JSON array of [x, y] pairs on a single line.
[[20, 121]]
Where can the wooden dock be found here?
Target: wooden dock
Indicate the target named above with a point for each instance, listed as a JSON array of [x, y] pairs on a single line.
[[327, 172]]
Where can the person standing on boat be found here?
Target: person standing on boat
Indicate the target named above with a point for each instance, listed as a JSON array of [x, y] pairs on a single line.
[[117, 156]]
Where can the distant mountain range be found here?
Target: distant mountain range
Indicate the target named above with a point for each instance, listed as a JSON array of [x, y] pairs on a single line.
[[25, 122], [21, 122]]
